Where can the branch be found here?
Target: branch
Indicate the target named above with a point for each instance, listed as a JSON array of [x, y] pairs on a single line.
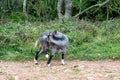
[[114, 10], [5, 11], [102, 4]]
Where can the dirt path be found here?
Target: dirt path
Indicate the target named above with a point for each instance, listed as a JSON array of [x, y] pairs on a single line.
[[72, 70]]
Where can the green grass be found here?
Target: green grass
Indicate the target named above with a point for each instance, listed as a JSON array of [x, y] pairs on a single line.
[[88, 40]]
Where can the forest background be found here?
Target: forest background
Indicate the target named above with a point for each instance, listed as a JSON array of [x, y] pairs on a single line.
[[92, 26]]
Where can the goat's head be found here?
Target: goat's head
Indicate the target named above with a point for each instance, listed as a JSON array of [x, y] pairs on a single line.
[[50, 35]]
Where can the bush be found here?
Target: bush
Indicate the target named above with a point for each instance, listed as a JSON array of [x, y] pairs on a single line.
[[88, 41]]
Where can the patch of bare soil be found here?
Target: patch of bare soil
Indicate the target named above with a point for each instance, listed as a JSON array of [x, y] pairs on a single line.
[[72, 70]]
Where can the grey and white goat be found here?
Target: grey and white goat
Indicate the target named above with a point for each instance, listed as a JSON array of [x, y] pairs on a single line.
[[53, 40]]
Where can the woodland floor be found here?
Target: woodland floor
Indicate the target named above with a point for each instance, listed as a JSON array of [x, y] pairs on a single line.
[[72, 70]]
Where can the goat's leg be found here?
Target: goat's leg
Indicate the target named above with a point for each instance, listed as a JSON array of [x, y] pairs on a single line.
[[51, 55], [37, 55], [46, 54], [45, 48], [62, 60], [49, 60]]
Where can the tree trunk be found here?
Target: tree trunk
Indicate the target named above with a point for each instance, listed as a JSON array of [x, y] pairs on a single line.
[[80, 7], [59, 8], [24, 9], [107, 12], [68, 8]]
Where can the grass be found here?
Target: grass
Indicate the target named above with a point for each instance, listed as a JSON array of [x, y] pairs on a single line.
[[88, 40]]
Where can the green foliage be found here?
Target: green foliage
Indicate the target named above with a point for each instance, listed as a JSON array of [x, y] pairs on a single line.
[[108, 11], [43, 10], [88, 41], [46, 10]]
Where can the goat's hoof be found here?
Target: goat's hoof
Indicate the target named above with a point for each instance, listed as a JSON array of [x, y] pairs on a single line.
[[62, 62], [36, 63], [48, 65]]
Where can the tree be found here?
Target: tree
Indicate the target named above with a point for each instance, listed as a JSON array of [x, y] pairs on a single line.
[[45, 10], [24, 9], [68, 8]]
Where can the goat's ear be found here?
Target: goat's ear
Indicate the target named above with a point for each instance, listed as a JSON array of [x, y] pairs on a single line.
[[50, 34], [55, 31]]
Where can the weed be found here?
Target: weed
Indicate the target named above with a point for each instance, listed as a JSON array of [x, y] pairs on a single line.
[[88, 41]]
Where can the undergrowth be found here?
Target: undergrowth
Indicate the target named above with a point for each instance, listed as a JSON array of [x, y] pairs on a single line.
[[88, 40]]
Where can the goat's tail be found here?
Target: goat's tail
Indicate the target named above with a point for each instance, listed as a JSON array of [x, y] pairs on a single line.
[[36, 43]]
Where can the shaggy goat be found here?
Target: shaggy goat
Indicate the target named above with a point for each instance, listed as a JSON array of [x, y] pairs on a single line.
[[53, 40]]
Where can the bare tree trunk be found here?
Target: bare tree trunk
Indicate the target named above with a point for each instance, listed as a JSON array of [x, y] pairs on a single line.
[[24, 9], [68, 8], [80, 8], [8, 4], [59, 8], [107, 11], [15, 4]]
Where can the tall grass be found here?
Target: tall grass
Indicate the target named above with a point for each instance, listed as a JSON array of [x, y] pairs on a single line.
[[88, 40]]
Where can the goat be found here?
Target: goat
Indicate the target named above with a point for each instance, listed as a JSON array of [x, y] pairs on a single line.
[[53, 40], [44, 45]]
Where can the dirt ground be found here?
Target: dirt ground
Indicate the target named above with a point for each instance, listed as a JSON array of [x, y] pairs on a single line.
[[72, 70]]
